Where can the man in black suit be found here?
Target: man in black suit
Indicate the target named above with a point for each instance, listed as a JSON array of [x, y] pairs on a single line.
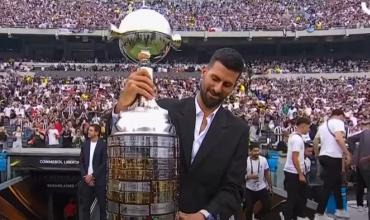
[[93, 160], [214, 143]]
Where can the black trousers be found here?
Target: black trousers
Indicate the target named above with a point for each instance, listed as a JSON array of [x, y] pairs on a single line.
[[365, 173], [360, 186], [88, 195], [254, 196], [332, 178], [297, 198]]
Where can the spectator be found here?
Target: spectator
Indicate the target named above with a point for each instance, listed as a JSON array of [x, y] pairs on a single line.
[[257, 175], [3, 139], [53, 136], [17, 137], [294, 171], [93, 172], [78, 139], [333, 148], [362, 161], [67, 137], [37, 140]]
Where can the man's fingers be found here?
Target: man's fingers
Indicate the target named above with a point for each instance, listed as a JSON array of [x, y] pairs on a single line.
[[143, 92], [177, 217], [145, 87], [142, 72], [181, 216], [144, 79]]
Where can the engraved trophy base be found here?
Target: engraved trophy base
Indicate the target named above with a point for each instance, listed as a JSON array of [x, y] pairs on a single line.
[[142, 173]]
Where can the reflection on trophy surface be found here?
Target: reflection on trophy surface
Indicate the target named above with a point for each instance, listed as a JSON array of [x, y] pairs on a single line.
[[143, 153]]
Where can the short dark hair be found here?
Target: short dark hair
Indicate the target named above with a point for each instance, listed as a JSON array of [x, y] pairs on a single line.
[[337, 112], [96, 128], [303, 120], [253, 145], [308, 144], [230, 58]]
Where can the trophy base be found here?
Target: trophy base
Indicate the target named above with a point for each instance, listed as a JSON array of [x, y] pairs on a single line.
[[112, 216]]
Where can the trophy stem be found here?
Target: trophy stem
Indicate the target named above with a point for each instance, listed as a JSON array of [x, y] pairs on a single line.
[[144, 57], [149, 70], [142, 101]]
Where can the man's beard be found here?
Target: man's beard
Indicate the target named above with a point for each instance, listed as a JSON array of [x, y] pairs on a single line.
[[208, 101]]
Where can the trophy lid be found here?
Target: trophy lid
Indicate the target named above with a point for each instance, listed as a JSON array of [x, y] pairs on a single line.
[[144, 20]]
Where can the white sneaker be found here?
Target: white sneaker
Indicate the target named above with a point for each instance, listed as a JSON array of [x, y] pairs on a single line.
[[301, 218], [281, 216], [359, 208], [322, 217], [363, 209], [341, 213]]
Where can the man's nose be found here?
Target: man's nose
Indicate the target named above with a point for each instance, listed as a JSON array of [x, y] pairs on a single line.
[[218, 88]]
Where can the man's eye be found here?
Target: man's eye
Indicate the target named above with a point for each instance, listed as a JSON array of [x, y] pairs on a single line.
[[215, 78]]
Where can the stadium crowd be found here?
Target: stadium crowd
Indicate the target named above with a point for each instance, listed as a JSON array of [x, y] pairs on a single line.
[[222, 15], [56, 112], [256, 66]]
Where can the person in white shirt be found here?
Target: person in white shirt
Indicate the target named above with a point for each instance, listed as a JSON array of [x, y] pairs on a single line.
[[7, 111], [294, 170], [53, 136], [258, 183], [333, 147], [253, 133], [17, 135]]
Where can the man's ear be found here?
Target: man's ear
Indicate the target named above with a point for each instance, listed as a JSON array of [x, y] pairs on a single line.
[[204, 71]]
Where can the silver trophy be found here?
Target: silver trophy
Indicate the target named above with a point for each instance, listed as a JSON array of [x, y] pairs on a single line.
[[143, 153]]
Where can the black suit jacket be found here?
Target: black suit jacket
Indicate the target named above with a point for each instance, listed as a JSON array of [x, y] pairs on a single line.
[[99, 161], [215, 180]]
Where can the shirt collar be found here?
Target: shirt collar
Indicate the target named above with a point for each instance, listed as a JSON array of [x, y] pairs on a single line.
[[199, 111]]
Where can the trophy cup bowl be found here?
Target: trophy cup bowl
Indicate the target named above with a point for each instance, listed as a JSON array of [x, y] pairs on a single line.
[[145, 32], [143, 152]]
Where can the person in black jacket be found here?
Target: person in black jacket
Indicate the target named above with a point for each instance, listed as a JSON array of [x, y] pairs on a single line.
[[213, 142], [37, 139], [93, 161], [3, 138]]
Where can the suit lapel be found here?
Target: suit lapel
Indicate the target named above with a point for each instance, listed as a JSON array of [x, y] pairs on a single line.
[[212, 138], [187, 126]]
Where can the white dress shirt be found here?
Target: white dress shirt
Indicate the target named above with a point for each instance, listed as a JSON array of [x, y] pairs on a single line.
[[92, 150], [198, 137]]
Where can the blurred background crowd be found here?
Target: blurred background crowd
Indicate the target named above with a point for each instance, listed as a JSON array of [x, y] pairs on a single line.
[[82, 15], [44, 111]]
